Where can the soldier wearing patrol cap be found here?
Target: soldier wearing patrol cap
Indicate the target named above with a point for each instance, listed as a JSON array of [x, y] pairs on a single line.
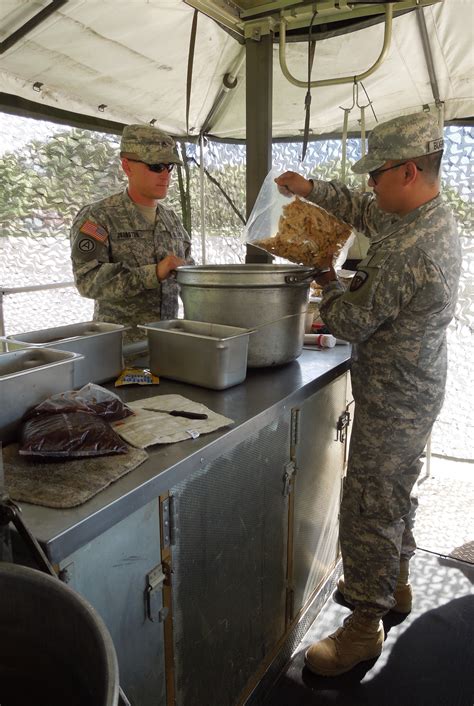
[[125, 247], [395, 313]]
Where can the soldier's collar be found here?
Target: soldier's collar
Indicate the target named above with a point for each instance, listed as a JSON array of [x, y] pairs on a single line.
[[403, 221]]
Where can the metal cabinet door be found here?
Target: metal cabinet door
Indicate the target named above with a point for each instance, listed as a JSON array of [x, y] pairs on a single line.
[[111, 573], [229, 540], [317, 490]]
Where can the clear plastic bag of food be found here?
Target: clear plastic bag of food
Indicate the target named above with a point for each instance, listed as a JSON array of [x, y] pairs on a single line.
[[91, 399], [295, 229], [69, 435]]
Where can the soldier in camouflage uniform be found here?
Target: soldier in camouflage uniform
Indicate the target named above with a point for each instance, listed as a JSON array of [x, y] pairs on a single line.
[[395, 313], [124, 248]]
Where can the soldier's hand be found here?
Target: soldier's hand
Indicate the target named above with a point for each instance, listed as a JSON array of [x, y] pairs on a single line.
[[329, 275], [290, 183], [167, 265]]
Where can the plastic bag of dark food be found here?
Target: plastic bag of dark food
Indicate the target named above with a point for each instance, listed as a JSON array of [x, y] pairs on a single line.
[[68, 436], [91, 398]]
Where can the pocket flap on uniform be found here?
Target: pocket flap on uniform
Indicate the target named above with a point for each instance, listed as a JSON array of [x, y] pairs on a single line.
[[378, 259]]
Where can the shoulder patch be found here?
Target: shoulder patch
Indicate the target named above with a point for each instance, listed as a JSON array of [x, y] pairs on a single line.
[[86, 245], [358, 280], [95, 231]]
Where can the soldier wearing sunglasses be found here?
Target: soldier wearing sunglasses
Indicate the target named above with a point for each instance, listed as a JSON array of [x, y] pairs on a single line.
[[395, 314], [126, 247]]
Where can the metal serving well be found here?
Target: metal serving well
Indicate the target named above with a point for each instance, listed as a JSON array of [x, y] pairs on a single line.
[[99, 343], [210, 355], [29, 376]]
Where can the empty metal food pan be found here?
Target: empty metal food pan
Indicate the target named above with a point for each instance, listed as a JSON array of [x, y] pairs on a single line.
[[99, 343], [210, 355], [27, 377]]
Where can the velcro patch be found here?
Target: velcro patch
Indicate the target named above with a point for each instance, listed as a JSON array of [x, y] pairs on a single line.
[[435, 146], [358, 280], [95, 231], [127, 235]]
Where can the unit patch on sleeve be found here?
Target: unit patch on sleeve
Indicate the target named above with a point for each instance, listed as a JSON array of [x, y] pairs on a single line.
[[358, 280], [86, 245], [95, 231]]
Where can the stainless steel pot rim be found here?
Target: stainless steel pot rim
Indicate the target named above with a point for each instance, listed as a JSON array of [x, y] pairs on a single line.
[[251, 268], [252, 276]]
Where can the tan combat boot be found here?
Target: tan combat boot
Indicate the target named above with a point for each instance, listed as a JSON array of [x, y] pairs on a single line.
[[402, 594], [359, 639]]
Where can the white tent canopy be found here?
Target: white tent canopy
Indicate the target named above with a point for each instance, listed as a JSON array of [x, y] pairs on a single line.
[[126, 61]]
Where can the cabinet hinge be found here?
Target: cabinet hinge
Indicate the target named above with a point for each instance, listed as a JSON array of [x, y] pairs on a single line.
[[295, 427], [288, 477], [166, 522]]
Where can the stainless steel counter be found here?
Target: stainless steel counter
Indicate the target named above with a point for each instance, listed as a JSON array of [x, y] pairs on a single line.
[[254, 403]]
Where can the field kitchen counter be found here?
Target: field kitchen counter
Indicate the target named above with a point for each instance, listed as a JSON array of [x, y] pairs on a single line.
[[204, 559]]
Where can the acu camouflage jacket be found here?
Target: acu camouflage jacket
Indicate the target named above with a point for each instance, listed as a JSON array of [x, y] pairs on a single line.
[[114, 252], [399, 304]]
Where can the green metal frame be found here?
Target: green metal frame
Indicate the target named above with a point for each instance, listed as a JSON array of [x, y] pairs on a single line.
[[260, 19]]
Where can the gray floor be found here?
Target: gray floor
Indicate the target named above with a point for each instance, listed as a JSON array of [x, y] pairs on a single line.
[[445, 518], [428, 656]]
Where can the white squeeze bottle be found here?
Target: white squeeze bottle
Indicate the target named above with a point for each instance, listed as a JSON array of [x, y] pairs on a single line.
[[323, 340]]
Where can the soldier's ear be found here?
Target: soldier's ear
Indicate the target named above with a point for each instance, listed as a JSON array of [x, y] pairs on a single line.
[[125, 165], [410, 173]]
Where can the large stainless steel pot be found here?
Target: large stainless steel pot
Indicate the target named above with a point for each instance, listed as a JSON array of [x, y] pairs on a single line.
[[265, 297]]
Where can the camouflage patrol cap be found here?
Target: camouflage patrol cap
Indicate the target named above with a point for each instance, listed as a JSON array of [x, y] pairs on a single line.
[[405, 137], [149, 145]]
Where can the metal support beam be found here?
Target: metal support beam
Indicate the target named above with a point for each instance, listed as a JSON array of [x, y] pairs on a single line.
[[259, 78]]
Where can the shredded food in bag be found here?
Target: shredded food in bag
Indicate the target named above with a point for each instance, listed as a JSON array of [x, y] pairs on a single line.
[[307, 234]]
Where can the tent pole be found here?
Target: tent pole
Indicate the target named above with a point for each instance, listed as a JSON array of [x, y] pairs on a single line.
[[203, 198], [425, 41], [259, 56], [229, 82]]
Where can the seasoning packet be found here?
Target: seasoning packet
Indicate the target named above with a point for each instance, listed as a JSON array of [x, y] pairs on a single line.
[[137, 376]]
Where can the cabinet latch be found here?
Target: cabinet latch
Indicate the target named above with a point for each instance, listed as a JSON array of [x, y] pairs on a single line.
[[154, 599], [341, 426]]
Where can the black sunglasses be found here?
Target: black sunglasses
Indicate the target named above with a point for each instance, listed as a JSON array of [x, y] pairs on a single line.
[[160, 167], [376, 173]]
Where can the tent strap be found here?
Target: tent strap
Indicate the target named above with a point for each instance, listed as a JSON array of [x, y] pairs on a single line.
[[189, 78], [307, 100]]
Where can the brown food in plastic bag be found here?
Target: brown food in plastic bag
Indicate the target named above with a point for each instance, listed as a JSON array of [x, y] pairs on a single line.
[[307, 235], [69, 436]]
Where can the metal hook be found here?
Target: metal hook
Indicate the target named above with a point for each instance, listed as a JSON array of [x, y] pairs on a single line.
[[368, 105], [353, 99], [347, 111]]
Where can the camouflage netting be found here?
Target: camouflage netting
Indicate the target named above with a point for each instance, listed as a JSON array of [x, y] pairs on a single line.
[[48, 172]]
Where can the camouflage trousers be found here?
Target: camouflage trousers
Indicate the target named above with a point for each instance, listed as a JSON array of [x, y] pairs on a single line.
[[378, 509]]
